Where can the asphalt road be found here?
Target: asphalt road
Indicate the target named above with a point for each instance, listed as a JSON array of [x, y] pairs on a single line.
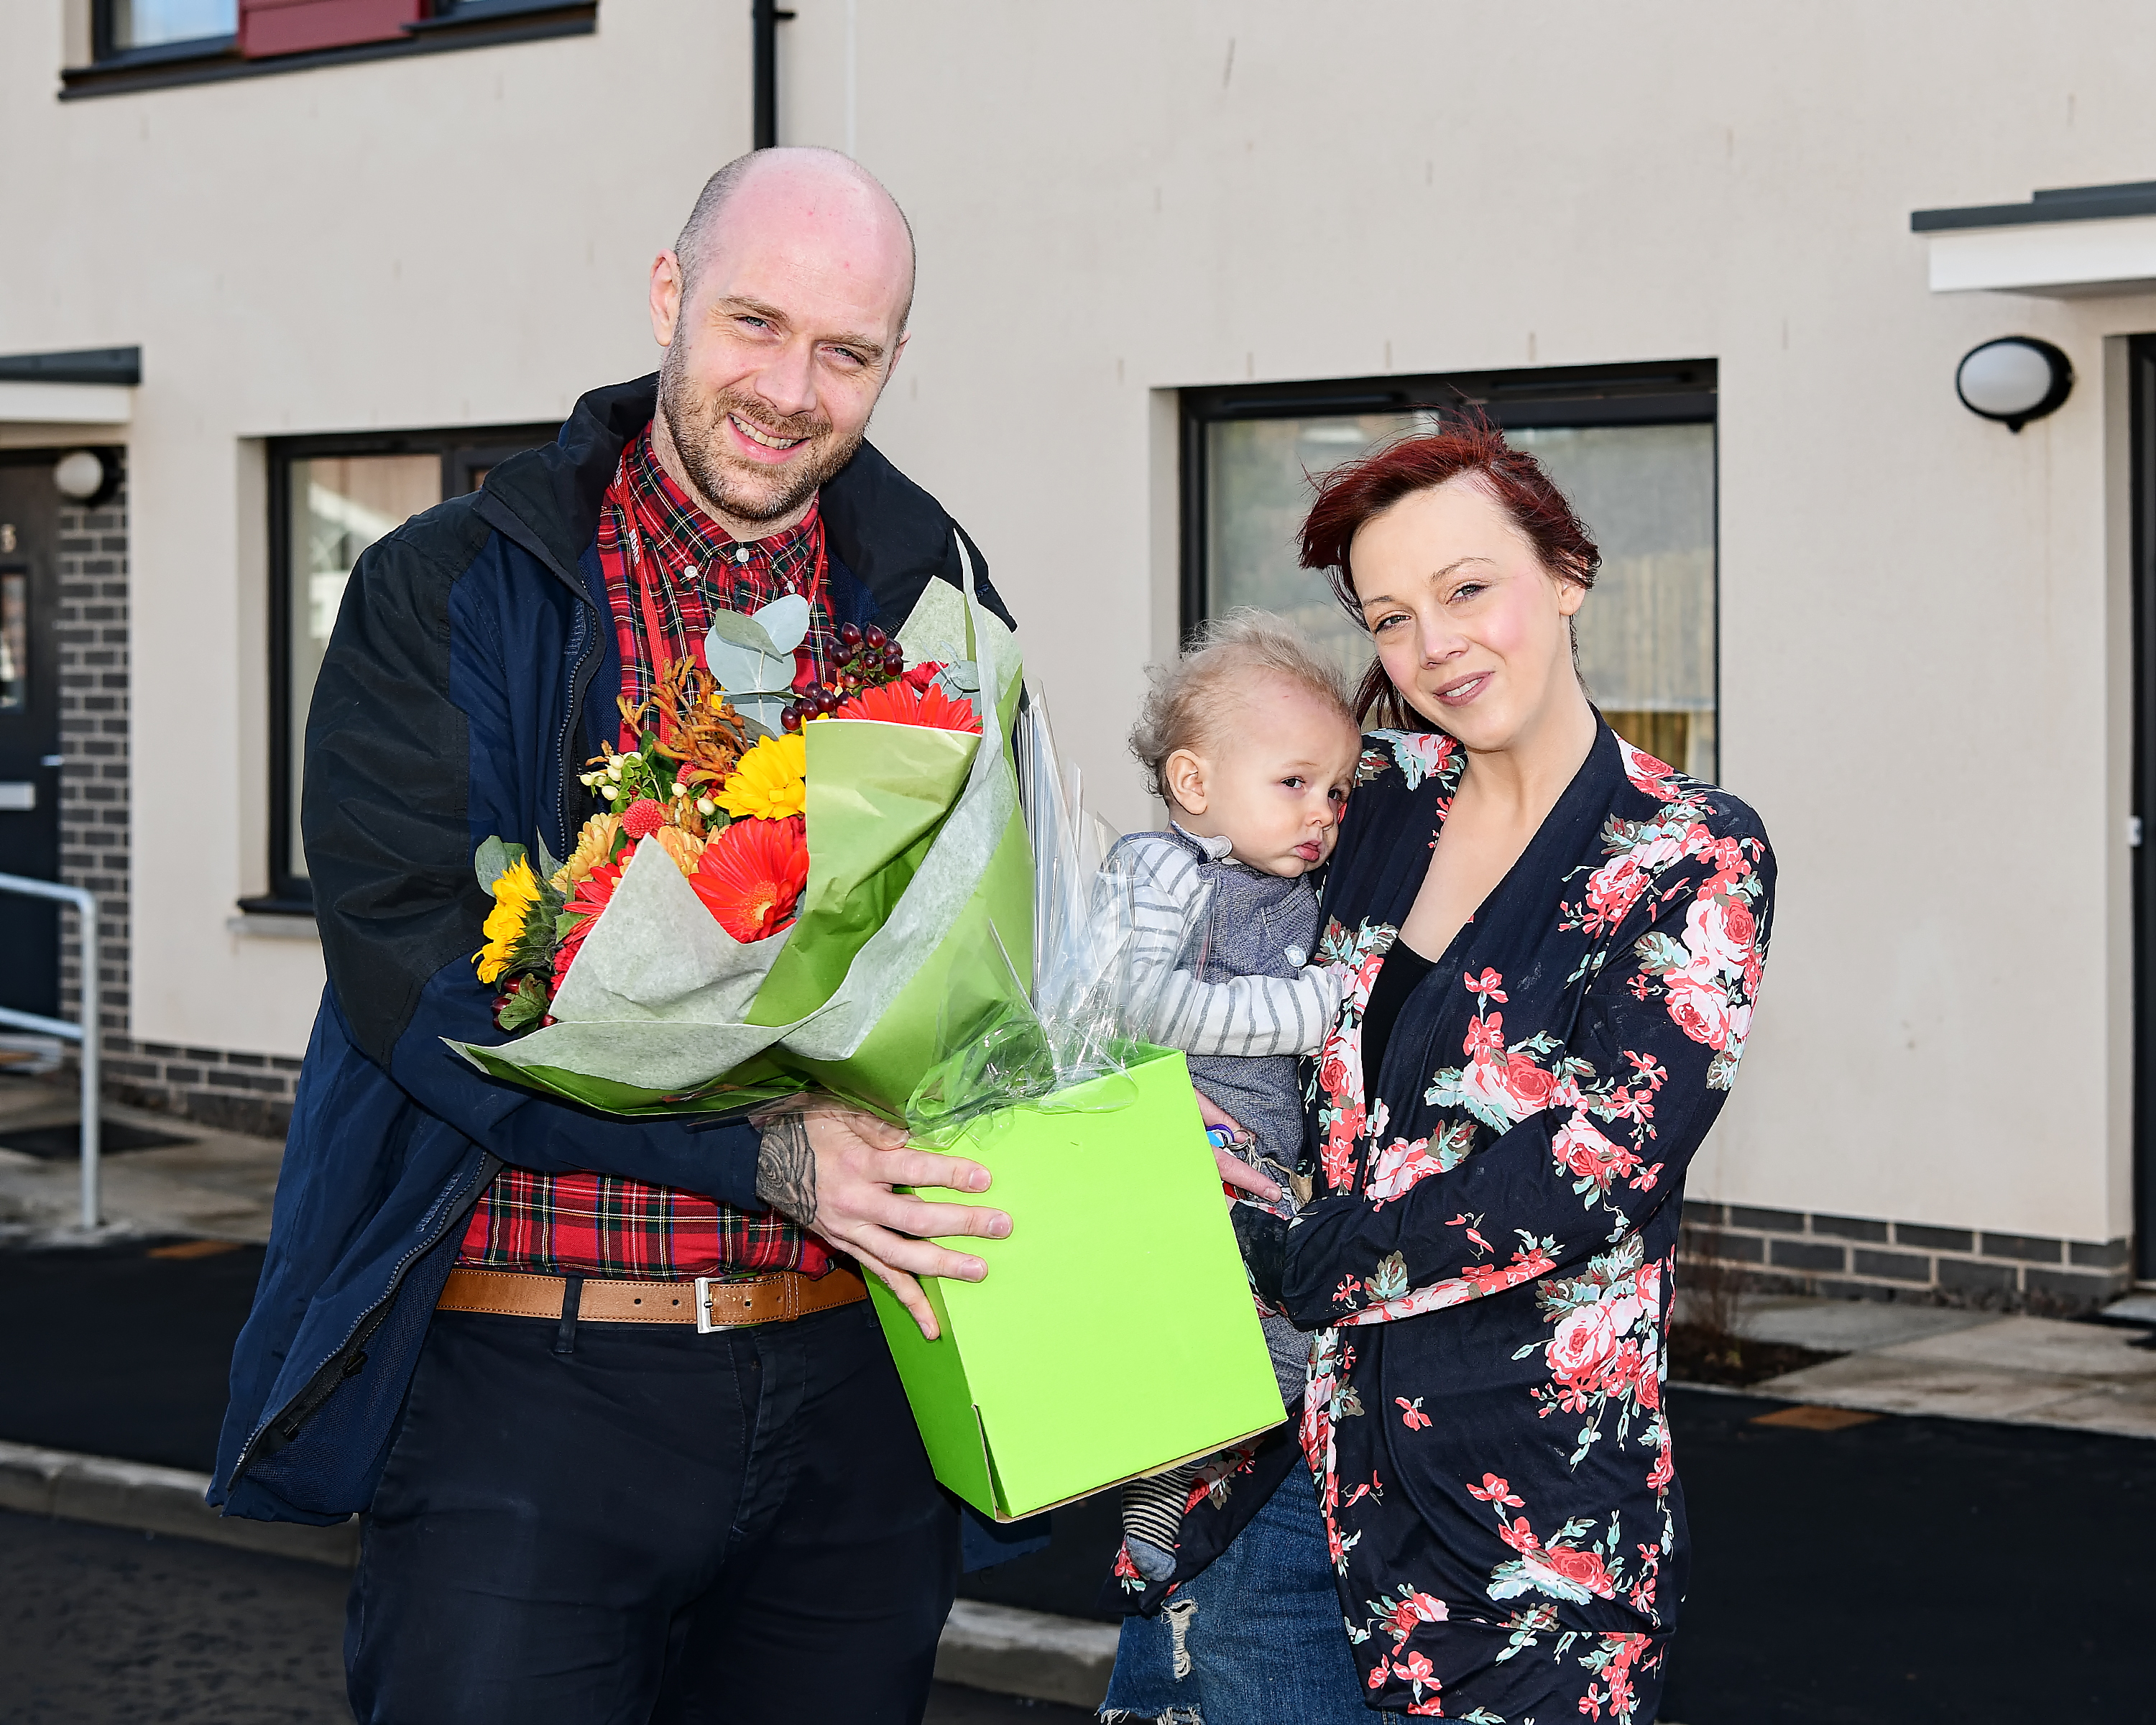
[[103, 1627]]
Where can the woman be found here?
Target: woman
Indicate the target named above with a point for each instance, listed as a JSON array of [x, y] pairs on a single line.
[[1555, 943]]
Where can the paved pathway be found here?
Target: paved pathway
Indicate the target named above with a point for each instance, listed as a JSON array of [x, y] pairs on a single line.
[[215, 1186], [1964, 1365]]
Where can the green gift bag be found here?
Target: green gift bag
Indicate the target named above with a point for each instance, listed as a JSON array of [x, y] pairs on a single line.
[[1115, 1334]]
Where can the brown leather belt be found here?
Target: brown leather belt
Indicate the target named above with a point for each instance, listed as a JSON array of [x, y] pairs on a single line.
[[705, 1303]]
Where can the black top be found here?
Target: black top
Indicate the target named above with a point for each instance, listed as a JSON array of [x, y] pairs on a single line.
[[1396, 977]]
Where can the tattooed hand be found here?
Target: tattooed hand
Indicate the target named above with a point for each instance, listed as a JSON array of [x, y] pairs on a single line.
[[832, 1169], [786, 1169]]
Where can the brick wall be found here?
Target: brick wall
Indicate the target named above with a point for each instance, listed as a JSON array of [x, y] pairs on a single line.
[[235, 1091], [1853, 1257]]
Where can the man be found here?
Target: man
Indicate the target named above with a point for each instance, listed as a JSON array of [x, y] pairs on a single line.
[[476, 1321]]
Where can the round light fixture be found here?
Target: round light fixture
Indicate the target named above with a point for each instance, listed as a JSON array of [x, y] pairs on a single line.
[[86, 477], [2013, 380]]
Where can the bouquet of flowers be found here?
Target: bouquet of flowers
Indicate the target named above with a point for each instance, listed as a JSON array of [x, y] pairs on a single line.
[[753, 910], [888, 888]]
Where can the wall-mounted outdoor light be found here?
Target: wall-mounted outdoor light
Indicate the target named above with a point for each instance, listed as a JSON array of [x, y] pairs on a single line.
[[2013, 380], [84, 477]]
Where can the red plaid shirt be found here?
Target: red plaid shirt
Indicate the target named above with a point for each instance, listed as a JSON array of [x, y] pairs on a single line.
[[668, 566]]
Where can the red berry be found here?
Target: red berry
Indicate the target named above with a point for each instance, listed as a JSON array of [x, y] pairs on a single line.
[[643, 818], [849, 634], [789, 716], [875, 637]]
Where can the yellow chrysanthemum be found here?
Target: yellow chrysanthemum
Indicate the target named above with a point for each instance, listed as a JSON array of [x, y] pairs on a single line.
[[594, 845], [772, 782], [684, 848], [514, 896]]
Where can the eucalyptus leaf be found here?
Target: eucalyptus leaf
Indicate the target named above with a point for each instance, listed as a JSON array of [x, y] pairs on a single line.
[[496, 858], [785, 619], [736, 631], [760, 710]]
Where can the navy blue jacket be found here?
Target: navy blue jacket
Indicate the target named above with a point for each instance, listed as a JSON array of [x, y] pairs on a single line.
[[472, 669]]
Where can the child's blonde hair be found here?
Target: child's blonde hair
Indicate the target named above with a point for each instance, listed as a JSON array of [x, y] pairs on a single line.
[[1190, 699]]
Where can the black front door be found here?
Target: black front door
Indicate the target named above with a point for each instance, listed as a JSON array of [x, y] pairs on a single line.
[[29, 727]]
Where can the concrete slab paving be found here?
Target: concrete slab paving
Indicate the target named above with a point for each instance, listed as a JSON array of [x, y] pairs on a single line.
[[2139, 1308], [2041, 1345], [1885, 1384], [1847, 1326], [2122, 1410], [216, 1185]]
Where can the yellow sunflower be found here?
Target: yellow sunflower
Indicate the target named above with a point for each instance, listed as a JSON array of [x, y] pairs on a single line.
[[514, 896], [772, 782], [595, 847]]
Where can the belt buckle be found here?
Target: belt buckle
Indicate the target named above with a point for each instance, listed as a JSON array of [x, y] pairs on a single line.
[[705, 1327]]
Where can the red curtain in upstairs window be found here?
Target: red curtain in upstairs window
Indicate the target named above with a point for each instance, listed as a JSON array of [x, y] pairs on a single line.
[[268, 27]]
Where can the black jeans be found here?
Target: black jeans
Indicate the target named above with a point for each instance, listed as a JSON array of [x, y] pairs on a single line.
[[608, 1524]]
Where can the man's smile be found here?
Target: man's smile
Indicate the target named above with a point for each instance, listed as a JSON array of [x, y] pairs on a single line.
[[763, 441]]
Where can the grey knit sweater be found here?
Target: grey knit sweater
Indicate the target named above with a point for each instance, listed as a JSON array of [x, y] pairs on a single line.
[[1251, 1004]]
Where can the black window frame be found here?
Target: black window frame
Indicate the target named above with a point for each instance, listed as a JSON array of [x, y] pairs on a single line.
[[448, 25], [104, 52], [462, 450], [1657, 393]]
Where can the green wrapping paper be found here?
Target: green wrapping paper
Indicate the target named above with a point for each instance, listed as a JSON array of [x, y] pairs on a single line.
[[920, 881]]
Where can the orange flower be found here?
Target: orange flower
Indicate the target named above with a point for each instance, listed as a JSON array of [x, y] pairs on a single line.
[[751, 875], [901, 704]]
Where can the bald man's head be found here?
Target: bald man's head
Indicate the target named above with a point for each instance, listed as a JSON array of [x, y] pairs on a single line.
[[807, 169], [782, 310]]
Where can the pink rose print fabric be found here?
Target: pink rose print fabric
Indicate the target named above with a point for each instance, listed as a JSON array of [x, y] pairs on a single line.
[[1487, 1265]]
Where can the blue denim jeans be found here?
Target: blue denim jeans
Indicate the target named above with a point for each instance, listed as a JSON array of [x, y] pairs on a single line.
[[1257, 1634]]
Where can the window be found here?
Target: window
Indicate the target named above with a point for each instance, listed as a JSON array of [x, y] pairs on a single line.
[[148, 44], [1633, 447], [134, 24], [330, 498], [15, 642]]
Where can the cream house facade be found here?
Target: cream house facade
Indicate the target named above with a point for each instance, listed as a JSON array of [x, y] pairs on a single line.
[[1167, 251]]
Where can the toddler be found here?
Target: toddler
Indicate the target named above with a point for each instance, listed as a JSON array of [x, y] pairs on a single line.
[[1250, 742]]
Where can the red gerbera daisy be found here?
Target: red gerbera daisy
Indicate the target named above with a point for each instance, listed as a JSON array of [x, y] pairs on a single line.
[[903, 704], [590, 897], [751, 875]]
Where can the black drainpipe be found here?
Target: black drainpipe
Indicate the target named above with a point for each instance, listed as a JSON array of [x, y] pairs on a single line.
[[764, 20]]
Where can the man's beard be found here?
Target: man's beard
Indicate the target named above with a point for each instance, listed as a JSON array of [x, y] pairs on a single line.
[[745, 491]]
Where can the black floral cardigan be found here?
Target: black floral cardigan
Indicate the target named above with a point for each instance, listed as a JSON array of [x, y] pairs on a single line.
[[1488, 1262]]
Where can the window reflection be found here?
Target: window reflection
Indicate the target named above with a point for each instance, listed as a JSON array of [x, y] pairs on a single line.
[[152, 23], [1645, 492], [14, 642], [340, 505]]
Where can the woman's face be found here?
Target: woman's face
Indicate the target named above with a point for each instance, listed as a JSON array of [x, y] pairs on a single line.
[[1473, 630]]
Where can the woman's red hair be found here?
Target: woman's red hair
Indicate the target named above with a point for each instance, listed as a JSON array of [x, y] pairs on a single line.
[[1353, 493]]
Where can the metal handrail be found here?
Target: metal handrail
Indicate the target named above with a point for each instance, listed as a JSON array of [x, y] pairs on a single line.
[[85, 1033]]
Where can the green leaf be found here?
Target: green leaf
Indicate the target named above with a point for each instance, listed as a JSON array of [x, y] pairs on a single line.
[[527, 1005], [742, 632], [494, 860]]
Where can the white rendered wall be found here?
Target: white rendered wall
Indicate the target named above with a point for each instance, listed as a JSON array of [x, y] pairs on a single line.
[[1921, 681]]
